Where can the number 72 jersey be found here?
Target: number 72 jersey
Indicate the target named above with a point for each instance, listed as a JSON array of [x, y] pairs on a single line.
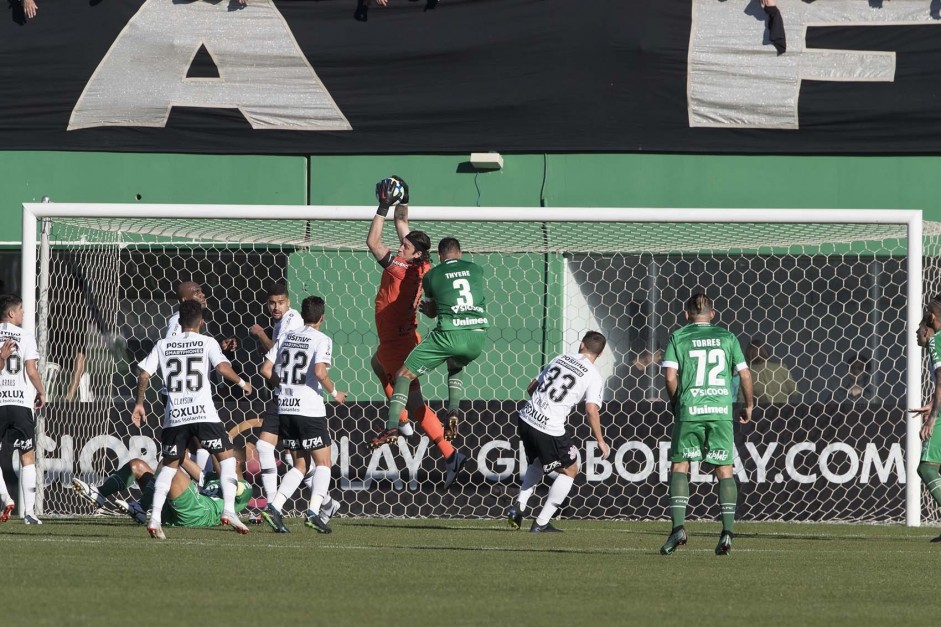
[[561, 385], [704, 357]]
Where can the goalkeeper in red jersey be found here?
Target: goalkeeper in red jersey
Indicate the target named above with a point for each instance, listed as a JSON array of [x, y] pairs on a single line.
[[397, 312]]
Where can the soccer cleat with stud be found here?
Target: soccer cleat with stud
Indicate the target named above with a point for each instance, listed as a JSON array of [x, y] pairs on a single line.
[[514, 517], [451, 431], [231, 519], [156, 531], [725, 543], [87, 492], [453, 465], [274, 519], [386, 436], [933, 540], [546, 528], [329, 511], [7, 510], [314, 521], [30, 519], [677, 538]]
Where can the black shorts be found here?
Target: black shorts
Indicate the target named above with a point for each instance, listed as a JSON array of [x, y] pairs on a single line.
[[22, 423], [271, 421], [304, 433], [554, 451], [212, 436]]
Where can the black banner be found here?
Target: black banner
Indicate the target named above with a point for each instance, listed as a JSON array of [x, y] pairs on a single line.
[[506, 75], [808, 463]]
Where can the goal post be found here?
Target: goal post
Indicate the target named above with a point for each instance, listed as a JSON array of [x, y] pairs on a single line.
[[557, 273]]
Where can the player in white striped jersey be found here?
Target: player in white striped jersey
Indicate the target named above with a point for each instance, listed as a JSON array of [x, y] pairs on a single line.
[[298, 364], [285, 319], [21, 391], [192, 291], [541, 424], [184, 363]]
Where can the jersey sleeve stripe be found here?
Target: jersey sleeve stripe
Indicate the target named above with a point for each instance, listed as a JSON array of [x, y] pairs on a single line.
[[670, 364]]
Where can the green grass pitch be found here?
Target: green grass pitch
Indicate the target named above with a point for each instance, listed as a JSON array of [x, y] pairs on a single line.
[[454, 572]]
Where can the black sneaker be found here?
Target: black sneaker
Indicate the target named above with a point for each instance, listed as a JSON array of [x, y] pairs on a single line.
[[725, 543], [677, 538], [546, 528], [514, 517], [386, 436], [454, 465], [274, 519], [314, 521]]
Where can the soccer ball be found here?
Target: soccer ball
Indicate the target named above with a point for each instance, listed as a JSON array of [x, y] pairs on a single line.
[[398, 192]]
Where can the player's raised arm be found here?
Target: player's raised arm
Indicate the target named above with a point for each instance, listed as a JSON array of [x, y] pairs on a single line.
[[389, 192]]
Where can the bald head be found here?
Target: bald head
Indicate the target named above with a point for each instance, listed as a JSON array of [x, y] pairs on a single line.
[[933, 315], [190, 290]]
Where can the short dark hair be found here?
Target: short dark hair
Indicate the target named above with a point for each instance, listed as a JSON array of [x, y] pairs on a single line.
[[278, 289], [421, 242], [312, 309], [9, 302], [594, 342], [699, 305], [449, 245], [191, 313], [933, 307]]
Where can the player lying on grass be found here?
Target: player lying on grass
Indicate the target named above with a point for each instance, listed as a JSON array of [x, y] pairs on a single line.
[[187, 504]]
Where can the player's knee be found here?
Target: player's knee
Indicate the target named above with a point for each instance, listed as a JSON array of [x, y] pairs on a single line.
[[139, 467], [927, 471]]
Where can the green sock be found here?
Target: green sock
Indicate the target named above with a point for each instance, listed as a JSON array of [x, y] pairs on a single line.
[[728, 498], [121, 479], [397, 404], [931, 477], [679, 497], [455, 389]]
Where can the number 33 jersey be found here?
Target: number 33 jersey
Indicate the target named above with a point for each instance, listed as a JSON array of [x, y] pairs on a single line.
[[294, 358], [561, 385], [184, 362]]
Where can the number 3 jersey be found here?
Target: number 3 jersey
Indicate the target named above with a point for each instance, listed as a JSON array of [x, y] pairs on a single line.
[[15, 387], [294, 358], [184, 362], [703, 356], [561, 385]]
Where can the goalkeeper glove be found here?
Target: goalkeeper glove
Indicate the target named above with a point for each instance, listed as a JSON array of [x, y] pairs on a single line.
[[389, 192], [398, 178]]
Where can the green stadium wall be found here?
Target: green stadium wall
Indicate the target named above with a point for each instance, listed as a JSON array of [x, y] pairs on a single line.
[[614, 180]]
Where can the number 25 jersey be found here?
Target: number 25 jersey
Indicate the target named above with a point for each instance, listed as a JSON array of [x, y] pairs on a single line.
[[184, 362], [561, 385]]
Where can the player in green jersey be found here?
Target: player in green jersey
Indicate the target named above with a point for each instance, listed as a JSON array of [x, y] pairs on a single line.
[[930, 464], [454, 293], [698, 364], [188, 504]]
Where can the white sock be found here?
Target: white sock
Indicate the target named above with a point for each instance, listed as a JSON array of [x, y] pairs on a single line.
[[557, 493], [321, 485], [406, 429], [289, 483], [202, 459], [161, 487], [531, 478], [269, 470], [4, 493], [28, 478], [230, 484]]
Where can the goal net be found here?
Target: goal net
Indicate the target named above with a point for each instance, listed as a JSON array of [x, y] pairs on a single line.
[[824, 308]]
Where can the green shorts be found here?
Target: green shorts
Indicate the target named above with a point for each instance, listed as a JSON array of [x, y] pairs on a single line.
[[439, 346], [931, 448], [192, 509], [691, 438]]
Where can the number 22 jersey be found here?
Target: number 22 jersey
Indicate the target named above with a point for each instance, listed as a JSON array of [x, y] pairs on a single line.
[[561, 385], [184, 362], [294, 357]]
